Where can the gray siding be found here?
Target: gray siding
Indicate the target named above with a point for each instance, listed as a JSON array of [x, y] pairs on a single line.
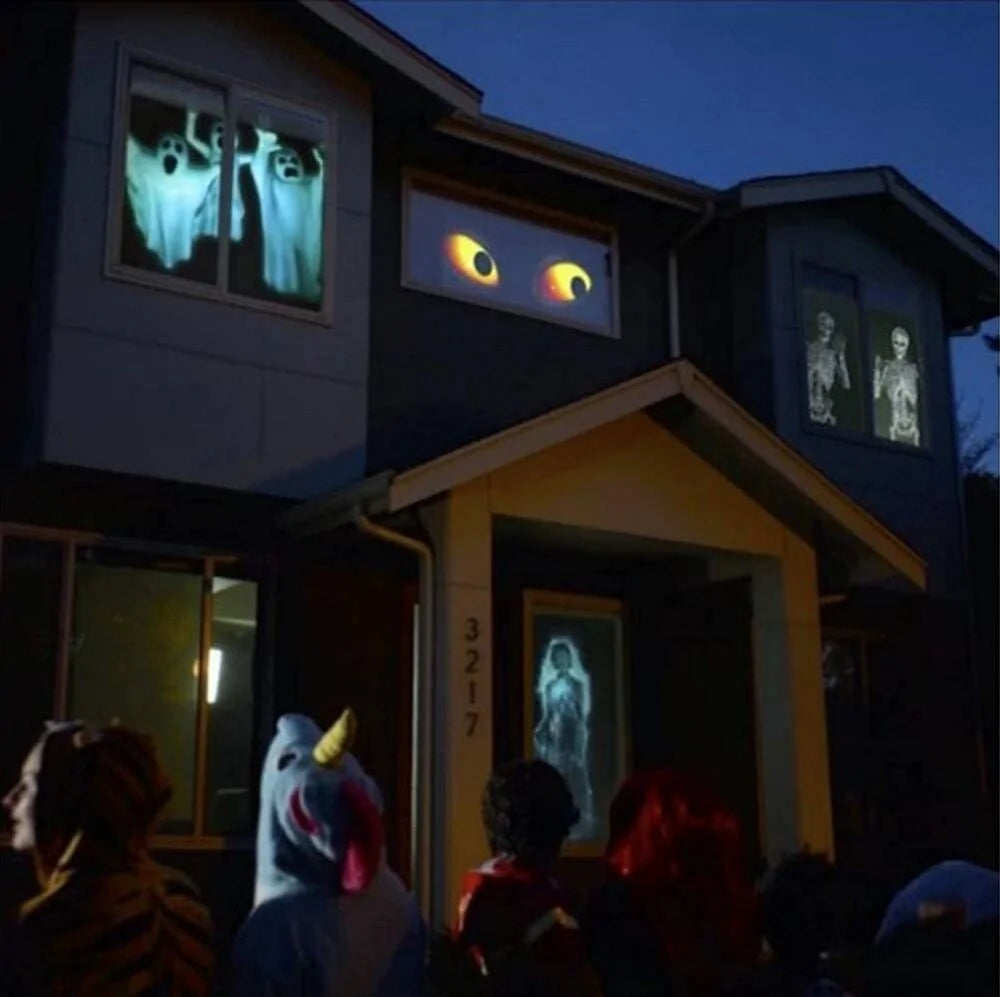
[[157, 383], [914, 494]]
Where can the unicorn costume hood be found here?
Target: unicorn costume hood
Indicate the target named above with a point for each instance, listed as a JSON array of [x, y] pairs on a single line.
[[330, 918]]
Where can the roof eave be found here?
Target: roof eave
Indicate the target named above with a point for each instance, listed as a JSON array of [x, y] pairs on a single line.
[[395, 51], [569, 157]]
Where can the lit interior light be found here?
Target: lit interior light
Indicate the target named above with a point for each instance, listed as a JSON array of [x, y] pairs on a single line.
[[214, 674]]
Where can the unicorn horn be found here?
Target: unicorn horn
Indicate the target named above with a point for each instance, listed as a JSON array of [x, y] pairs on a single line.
[[338, 739]]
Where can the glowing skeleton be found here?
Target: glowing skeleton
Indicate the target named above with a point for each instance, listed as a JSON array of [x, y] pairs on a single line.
[[898, 379], [291, 212], [207, 219], [826, 362], [166, 192], [563, 732]]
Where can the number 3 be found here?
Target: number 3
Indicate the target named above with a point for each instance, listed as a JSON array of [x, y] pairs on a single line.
[[471, 628]]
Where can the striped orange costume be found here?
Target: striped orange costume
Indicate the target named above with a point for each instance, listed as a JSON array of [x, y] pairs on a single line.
[[108, 920]]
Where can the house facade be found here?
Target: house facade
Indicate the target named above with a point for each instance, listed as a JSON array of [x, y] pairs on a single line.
[[323, 387]]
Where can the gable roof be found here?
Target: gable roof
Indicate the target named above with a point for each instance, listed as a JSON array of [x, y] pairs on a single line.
[[689, 405]]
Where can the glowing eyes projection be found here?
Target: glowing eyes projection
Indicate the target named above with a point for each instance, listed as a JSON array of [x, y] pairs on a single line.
[[471, 259], [563, 282], [508, 262]]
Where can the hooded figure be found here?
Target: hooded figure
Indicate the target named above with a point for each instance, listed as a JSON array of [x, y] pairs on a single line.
[[108, 920], [330, 919]]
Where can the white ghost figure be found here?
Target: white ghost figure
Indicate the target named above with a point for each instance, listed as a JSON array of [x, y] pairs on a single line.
[[207, 220], [291, 214], [165, 192]]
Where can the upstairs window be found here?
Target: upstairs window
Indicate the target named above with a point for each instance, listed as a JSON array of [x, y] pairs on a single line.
[[506, 258], [220, 192], [862, 366]]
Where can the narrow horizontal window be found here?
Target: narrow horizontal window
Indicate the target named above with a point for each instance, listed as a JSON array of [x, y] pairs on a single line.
[[468, 251]]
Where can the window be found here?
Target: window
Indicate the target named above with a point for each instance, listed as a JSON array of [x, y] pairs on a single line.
[[895, 377], [466, 250], [834, 387], [165, 644], [862, 370], [221, 192]]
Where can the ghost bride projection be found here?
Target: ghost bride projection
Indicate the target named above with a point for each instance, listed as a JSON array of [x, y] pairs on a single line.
[[291, 215], [897, 378], [826, 364], [563, 731], [207, 216], [166, 192]]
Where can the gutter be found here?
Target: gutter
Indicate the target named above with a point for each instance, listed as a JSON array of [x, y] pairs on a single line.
[[421, 704], [674, 314]]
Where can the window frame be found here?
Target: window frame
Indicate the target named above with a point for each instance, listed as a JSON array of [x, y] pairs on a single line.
[[865, 302], [439, 185], [71, 541], [234, 90]]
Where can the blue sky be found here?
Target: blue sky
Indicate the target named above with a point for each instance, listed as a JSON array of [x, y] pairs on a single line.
[[721, 91]]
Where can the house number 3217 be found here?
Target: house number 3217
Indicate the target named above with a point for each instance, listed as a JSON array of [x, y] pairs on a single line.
[[471, 671]]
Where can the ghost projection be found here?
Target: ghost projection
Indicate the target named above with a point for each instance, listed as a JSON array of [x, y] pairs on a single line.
[[562, 734], [175, 150]]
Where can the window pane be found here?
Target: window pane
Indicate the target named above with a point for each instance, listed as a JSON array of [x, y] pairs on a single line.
[[495, 259], [135, 657], [173, 158], [833, 355], [896, 377], [281, 174], [29, 627], [229, 694]]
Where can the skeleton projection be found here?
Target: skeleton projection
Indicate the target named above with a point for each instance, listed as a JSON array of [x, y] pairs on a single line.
[[291, 211], [563, 731], [166, 193], [897, 379], [826, 363], [207, 219]]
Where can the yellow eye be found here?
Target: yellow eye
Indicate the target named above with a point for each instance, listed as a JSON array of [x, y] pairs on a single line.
[[471, 259], [564, 281]]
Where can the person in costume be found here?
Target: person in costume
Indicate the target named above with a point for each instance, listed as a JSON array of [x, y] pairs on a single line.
[[330, 919], [515, 920], [107, 920]]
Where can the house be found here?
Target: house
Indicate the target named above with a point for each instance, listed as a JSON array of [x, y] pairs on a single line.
[[321, 386]]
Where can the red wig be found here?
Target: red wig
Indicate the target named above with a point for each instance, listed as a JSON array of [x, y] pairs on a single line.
[[681, 852]]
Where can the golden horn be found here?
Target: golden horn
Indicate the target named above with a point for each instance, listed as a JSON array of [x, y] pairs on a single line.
[[338, 739]]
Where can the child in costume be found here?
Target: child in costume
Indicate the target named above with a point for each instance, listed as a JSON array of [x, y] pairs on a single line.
[[330, 919], [514, 918], [108, 920]]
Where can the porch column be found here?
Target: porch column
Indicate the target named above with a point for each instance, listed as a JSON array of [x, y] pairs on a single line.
[[460, 528], [791, 713]]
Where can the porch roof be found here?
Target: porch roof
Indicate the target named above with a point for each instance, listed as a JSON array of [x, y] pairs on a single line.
[[687, 404]]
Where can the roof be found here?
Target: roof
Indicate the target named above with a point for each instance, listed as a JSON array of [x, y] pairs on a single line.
[[394, 50], [570, 157], [862, 182], [680, 397]]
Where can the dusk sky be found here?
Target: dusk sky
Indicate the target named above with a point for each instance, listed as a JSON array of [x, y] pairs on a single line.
[[722, 91]]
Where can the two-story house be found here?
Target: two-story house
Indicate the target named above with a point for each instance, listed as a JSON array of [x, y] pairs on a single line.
[[323, 387]]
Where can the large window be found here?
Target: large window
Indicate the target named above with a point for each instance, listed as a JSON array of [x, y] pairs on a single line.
[[221, 192], [165, 644], [862, 369], [503, 259]]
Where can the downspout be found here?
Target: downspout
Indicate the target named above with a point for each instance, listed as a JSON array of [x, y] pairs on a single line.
[[421, 706], [673, 304]]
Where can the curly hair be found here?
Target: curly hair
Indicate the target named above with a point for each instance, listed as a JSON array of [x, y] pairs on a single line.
[[528, 810]]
